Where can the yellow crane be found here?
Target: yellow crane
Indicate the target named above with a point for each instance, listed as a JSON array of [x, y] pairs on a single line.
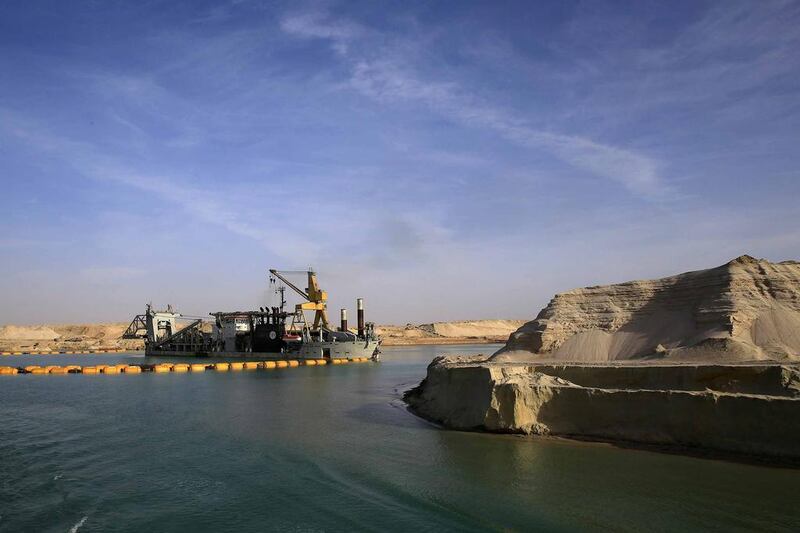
[[316, 298]]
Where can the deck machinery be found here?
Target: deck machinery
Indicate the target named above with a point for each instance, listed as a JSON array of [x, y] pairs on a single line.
[[268, 332]]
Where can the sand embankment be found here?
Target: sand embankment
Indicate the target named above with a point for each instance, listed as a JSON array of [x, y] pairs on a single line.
[[459, 332], [69, 337], [66, 337], [704, 360], [744, 409]]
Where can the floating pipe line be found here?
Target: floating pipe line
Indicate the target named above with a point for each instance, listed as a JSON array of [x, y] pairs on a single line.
[[71, 352], [162, 368]]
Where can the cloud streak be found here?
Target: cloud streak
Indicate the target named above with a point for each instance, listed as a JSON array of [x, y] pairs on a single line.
[[386, 77]]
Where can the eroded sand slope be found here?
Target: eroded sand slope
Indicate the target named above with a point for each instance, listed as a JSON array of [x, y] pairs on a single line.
[[702, 360], [746, 309]]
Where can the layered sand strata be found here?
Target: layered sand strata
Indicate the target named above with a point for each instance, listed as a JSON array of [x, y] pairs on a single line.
[[703, 360], [746, 309], [747, 409]]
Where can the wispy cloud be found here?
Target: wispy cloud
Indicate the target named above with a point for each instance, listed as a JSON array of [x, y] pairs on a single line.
[[201, 203], [399, 151], [384, 74]]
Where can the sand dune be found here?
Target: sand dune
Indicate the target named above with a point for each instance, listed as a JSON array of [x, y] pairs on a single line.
[[745, 310], [466, 331], [26, 333]]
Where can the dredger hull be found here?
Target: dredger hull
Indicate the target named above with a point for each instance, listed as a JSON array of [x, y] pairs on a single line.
[[308, 350]]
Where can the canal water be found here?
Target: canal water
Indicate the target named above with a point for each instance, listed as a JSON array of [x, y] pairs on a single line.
[[332, 449]]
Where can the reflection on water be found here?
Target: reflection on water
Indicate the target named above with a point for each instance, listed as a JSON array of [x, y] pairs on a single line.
[[331, 448]]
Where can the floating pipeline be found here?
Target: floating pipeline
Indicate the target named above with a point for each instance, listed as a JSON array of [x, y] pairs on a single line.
[[74, 352], [291, 363], [163, 368]]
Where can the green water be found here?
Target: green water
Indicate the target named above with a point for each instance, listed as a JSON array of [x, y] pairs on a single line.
[[332, 449]]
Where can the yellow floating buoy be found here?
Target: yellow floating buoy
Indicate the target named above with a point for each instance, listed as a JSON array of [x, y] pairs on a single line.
[[39, 370], [16, 353], [281, 364], [251, 365], [197, 367], [180, 368], [8, 370], [132, 369], [221, 366], [336, 361], [59, 370], [160, 369], [293, 363], [268, 364], [31, 368], [110, 370], [90, 370], [310, 362], [5, 353], [237, 366]]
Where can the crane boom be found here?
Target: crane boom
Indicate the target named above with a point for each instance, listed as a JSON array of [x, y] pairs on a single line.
[[289, 284], [316, 297]]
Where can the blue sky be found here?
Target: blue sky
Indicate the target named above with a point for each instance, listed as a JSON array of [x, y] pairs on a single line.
[[444, 160]]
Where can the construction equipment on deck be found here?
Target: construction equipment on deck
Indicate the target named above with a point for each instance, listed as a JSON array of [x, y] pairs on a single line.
[[316, 298]]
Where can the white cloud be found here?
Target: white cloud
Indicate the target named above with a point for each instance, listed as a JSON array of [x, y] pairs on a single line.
[[383, 75]]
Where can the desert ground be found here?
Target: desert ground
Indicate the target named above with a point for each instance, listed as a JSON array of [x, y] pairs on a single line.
[[72, 337]]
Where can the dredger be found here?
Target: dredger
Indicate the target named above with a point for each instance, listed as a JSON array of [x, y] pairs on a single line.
[[270, 332]]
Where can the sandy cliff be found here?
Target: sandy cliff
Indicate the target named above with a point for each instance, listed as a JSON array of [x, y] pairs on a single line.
[[702, 360], [746, 309]]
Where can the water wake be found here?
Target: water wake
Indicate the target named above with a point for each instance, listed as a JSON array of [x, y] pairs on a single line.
[[77, 526]]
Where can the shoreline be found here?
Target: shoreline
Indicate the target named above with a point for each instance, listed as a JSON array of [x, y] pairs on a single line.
[[578, 440], [437, 341]]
